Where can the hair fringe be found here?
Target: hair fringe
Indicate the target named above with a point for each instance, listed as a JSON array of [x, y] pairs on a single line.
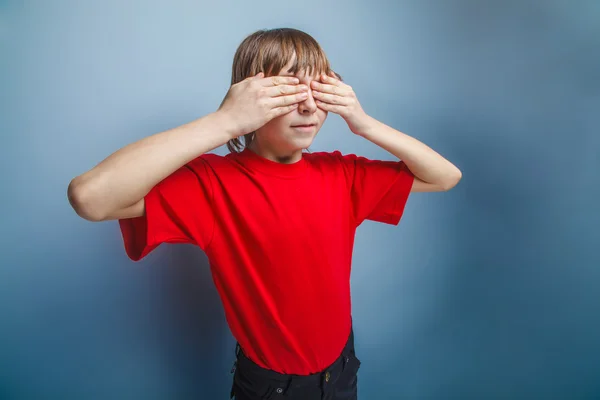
[[268, 51]]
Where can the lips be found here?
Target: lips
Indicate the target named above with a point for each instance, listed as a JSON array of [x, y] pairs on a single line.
[[304, 125]]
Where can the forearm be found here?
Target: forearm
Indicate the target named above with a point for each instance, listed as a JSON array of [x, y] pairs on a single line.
[[425, 163], [127, 175]]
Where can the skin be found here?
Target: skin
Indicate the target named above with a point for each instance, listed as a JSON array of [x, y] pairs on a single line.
[[277, 140], [115, 188], [433, 173]]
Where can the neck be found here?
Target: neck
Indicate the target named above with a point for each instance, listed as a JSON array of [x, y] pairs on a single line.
[[282, 157]]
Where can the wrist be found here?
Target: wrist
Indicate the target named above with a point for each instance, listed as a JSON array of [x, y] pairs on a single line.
[[227, 123], [365, 126]]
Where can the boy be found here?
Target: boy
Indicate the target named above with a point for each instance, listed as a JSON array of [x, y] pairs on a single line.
[[277, 224]]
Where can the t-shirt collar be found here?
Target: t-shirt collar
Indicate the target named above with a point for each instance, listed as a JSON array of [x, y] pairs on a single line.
[[264, 165]]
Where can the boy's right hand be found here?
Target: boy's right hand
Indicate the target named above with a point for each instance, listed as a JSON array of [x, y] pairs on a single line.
[[256, 100]]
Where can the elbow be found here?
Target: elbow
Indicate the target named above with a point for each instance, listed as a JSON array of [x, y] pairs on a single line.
[[452, 180], [81, 199]]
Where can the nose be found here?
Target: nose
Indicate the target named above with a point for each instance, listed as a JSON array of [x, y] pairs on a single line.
[[308, 106]]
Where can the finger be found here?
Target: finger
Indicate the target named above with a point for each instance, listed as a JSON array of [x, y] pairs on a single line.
[[334, 79], [330, 79], [276, 112], [329, 107], [283, 101], [283, 90], [336, 75], [279, 80], [260, 75], [325, 88], [331, 98]]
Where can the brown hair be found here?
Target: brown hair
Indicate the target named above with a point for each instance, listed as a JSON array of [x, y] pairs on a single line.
[[269, 51]]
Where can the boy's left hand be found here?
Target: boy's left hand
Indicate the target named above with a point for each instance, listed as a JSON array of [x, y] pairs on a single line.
[[333, 95]]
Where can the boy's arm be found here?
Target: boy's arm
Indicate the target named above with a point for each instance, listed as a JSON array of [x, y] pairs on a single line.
[[115, 188], [433, 173]]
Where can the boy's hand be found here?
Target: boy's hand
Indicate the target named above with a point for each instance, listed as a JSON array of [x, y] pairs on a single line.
[[333, 95], [256, 100]]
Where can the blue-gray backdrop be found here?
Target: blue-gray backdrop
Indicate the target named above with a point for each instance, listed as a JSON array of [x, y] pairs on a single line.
[[489, 291]]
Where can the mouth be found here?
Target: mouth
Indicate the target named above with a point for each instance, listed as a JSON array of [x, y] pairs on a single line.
[[305, 129], [304, 126]]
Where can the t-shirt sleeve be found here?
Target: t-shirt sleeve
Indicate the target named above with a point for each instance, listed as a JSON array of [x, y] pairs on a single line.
[[178, 210], [379, 189]]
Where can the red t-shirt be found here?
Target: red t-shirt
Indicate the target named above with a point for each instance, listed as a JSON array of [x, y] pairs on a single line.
[[279, 240]]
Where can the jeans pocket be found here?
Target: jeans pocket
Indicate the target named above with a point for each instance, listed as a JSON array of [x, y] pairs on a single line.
[[252, 387]]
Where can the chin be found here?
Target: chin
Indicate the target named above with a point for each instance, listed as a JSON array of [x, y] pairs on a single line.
[[300, 143]]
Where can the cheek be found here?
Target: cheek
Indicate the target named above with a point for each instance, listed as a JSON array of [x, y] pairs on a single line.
[[322, 115], [275, 126], [276, 122], [284, 120]]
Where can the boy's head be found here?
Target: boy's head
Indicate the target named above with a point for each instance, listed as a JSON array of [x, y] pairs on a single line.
[[282, 51]]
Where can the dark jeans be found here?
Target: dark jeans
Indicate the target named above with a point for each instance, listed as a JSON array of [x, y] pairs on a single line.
[[336, 382]]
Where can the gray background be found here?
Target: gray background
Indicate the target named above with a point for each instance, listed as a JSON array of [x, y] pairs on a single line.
[[489, 291]]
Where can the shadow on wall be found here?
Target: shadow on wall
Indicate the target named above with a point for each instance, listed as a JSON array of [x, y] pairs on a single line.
[[198, 340], [517, 297]]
